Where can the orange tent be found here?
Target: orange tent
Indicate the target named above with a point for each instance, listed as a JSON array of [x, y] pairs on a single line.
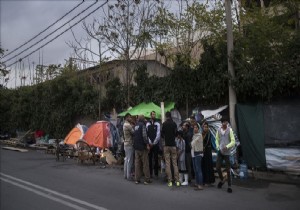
[[102, 134], [75, 134]]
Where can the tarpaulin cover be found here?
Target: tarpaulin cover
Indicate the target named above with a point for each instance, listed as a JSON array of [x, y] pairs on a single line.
[[213, 118], [102, 134], [146, 108], [283, 159], [282, 123], [75, 134], [251, 131], [209, 113]]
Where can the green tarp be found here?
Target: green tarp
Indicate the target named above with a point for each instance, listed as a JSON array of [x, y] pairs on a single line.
[[169, 106], [251, 132], [146, 108]]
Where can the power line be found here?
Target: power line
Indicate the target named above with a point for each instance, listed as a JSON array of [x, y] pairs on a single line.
[[43, 30], [60, 33], [50, 33]]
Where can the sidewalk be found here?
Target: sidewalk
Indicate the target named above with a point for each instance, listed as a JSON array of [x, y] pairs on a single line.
[[275, 176]]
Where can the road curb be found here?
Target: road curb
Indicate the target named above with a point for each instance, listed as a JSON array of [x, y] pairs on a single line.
[[276, 177]]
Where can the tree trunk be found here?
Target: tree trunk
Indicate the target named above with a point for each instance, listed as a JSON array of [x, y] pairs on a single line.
[[187, 106], [232, 94], [127, 79]]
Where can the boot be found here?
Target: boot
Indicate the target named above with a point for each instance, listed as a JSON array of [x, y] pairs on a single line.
[[186, 180], [180, 178]]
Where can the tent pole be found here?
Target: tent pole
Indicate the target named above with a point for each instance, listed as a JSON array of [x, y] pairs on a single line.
[[162, 106]]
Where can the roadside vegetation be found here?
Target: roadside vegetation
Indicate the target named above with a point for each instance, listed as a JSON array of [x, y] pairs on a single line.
[[266, 61]]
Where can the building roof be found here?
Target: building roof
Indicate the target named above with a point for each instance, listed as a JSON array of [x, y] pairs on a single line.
[[117, 61]]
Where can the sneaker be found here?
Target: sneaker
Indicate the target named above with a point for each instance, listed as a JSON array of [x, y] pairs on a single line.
[[199, 187], [137, 182], [193, 185], [184, 183], [220, 185], [177, 184], [147, 182], [170, 184], [229, 190]]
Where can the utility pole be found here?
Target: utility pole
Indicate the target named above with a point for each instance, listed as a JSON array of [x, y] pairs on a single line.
[[99, 92], [232, 94]]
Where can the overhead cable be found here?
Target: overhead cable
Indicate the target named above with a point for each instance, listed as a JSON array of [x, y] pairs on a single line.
[[51, 33], [59, 34], [43, 30]]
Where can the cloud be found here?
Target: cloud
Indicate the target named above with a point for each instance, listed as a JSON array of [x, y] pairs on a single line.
[[22, 20]]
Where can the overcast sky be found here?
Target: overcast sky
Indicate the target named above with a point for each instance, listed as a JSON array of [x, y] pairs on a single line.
[[22, 20]]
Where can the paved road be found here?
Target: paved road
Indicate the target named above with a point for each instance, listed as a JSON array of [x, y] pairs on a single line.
[[34, 180]]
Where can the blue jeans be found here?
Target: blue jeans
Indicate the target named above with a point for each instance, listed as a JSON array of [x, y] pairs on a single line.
[[198, 169], [128, 162]]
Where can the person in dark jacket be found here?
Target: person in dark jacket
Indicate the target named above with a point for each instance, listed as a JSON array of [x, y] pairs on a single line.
[[153, 133], [141, 148], [207, 161], [187, 136], [169, 130]]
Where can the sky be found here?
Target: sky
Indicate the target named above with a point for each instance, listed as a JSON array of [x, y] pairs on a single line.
[[22, 20]]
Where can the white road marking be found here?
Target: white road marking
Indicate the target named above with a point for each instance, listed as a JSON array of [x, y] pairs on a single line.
[[49, 191]]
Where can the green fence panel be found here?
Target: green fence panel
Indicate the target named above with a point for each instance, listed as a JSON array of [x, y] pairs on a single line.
[[251, 131]]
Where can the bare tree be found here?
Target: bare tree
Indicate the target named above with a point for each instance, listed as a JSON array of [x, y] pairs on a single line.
[[126, 30], [123, 31], [92, 49]]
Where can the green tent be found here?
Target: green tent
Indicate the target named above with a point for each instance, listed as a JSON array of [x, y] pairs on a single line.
[[169, 106], [143, 108], [146, 108]]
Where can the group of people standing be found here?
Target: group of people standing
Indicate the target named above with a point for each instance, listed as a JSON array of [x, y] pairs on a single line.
[[186, 151]]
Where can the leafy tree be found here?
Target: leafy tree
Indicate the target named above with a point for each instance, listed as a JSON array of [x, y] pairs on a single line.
[[212, 74], [53, 106], [149, 88], [143, 90], [263, 69], [44, 73], [3, 71], [69, 69], [6, 96], [115, 96], [181, 32]]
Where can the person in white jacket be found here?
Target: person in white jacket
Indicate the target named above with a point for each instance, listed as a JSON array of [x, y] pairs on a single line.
[[225, 141], [197, 154], [183, 173]]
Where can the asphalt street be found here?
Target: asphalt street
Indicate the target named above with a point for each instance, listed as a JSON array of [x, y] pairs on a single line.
[[34, 180]]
